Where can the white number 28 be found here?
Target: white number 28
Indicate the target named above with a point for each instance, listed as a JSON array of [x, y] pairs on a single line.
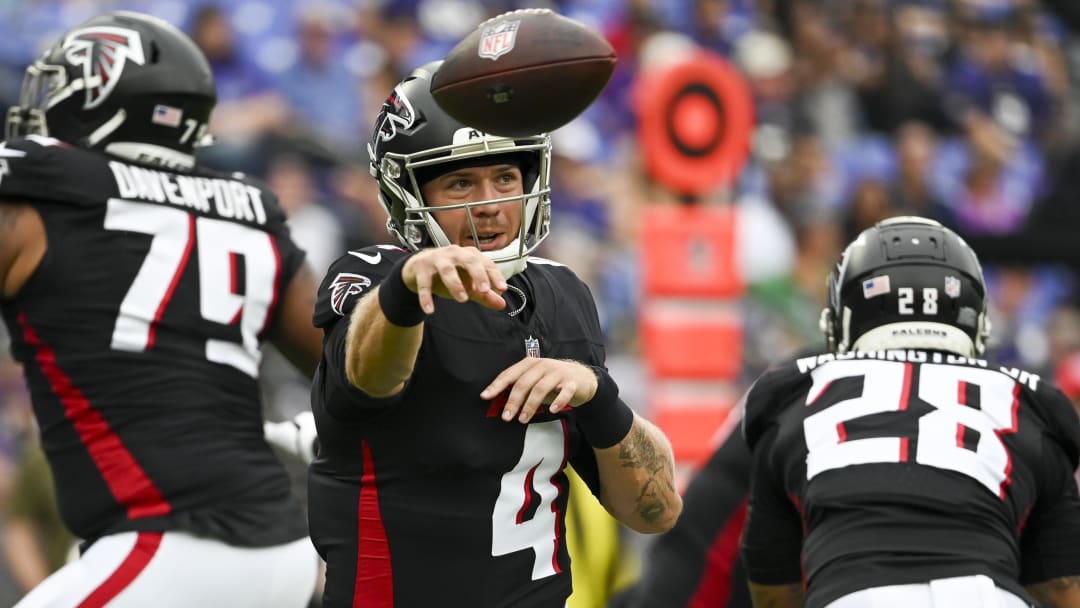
[[886, 388], [905, 297]]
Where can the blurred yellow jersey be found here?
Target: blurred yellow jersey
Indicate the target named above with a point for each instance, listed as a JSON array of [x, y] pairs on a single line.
[[599, 565]]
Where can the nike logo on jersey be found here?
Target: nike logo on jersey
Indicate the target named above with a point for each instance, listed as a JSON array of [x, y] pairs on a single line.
[[370, 258], [346, 284]]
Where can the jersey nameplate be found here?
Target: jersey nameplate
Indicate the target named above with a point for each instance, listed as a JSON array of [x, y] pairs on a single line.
[[228, 199], [807, 364]]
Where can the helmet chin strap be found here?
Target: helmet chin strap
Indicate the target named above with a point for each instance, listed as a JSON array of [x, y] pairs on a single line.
[[509, 268], [106, 129], [514, 260], [507, 259]]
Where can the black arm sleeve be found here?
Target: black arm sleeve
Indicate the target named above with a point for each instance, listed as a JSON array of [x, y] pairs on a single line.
[[772, 538], [1050, 544]]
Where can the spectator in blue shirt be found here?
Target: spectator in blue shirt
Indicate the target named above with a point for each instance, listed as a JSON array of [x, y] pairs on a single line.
[[320, 89]]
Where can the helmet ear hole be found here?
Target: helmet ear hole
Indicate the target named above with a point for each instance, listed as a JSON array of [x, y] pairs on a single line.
[[155, 52]]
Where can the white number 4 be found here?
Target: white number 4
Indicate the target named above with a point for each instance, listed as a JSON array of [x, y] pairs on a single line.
[[543, 456]]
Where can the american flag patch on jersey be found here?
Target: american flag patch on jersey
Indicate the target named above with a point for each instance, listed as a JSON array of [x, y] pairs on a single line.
[[875, 286], [167, 115]]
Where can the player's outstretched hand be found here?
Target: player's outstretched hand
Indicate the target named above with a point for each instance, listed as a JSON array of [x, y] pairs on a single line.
[[457, 273], [535, 381]]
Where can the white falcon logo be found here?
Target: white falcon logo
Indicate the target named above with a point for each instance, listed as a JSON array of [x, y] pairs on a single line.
[[102, 51], [346, 284]]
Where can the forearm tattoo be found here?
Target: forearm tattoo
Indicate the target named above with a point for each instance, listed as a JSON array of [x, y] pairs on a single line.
[[638, 451]]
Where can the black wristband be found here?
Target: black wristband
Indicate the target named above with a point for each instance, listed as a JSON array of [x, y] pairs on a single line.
[[604, 420], [399, 304]]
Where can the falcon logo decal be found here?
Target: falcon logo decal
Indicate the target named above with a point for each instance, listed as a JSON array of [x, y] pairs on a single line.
[[397, 115], [346, 284], [103, 52]]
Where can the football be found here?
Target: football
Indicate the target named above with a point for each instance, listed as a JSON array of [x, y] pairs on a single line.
[[524, 72]]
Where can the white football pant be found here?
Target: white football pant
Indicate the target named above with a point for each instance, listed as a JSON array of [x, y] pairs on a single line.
[[966, 591], [178, 570]]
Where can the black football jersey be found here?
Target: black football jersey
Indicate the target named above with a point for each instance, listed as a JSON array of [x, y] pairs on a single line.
[[898, 467], [428, 498], [139, 335]]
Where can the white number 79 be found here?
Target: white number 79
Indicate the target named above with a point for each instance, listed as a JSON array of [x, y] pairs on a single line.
[[218, 243]]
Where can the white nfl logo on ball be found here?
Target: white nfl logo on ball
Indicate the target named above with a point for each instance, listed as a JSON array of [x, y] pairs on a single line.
[[498, 39]]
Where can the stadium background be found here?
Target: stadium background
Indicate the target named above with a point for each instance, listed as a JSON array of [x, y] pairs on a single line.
[[961, 110]]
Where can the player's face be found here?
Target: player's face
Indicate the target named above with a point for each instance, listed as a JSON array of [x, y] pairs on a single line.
[[496, 224]]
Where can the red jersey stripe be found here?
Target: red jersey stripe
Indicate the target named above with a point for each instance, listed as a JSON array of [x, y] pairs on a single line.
[[374, 571], [272, 308], [172, 284], [716, 585], [127, 481]]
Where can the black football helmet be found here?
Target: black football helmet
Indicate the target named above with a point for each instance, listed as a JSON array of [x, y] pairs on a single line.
[[122, 82], [414, 138], [907, 282]]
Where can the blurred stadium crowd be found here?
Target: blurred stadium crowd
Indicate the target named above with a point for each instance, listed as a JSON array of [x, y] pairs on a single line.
[[965, 111]]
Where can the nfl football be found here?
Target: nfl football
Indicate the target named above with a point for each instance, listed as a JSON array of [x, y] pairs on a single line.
[[524, 72]]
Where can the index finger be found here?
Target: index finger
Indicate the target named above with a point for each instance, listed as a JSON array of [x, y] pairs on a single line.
[[507, 378], [495, 276], [480, 286]]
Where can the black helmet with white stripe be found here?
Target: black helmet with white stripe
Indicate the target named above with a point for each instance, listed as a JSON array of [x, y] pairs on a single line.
[[907, 282]]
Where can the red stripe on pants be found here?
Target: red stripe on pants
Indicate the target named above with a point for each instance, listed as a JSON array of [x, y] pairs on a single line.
[[146, 545]]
